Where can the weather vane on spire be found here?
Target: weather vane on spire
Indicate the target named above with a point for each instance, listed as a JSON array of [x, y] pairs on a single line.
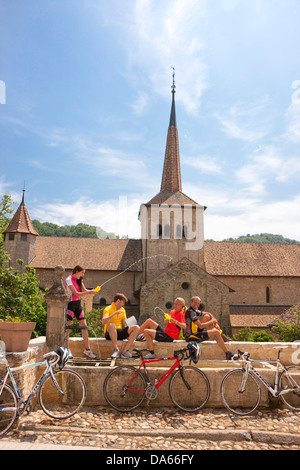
[[173, 85]]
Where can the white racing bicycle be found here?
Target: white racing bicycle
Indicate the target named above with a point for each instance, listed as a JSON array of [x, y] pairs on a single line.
[[240, 388], [61, 392]]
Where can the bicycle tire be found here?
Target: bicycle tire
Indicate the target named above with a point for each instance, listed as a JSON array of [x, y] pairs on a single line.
[[189, 389], [8, 408], [287, 379], [59, 406], [241, 403], [115, 390]]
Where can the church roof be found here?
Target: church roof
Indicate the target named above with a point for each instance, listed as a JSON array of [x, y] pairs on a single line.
[[170, 198], [252, 259], [90, 253], [21, 221], [221, 258]]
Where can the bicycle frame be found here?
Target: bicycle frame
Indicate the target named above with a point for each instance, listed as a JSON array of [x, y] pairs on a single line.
[[143, 364], [275, 392]]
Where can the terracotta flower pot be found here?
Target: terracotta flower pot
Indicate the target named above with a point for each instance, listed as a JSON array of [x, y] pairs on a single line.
[[16, 336]]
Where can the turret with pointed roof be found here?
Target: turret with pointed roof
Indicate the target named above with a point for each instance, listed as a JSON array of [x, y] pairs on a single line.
[[20, 237], [21, 222]]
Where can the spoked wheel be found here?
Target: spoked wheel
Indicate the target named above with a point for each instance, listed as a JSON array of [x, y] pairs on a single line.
[[63, 395], [189, 388], [8, 408], [124, 388], [239, 397], [290, 379]]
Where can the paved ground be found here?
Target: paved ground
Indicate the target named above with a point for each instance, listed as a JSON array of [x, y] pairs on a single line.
[[157, 429]]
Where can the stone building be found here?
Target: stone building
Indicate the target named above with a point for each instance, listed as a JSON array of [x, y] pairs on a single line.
[[242, 284]]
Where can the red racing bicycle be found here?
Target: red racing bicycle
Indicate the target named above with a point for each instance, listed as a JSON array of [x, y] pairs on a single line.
[[126, 387]]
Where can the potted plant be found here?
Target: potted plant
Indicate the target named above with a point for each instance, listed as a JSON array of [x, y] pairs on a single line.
[[21, 305]]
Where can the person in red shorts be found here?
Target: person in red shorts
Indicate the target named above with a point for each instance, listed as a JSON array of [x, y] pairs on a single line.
[[153, 330]]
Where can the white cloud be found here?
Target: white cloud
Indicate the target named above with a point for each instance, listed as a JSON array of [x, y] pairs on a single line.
[[168, 34], [265, 165], [247, 122], [203, 163], [280, 217], [119, 216]]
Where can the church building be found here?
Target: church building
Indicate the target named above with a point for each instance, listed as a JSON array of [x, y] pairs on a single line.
[[241, 284]]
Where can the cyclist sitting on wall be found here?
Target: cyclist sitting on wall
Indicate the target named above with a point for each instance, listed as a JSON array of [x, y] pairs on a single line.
[[115, 328], [208, 326], [153, 330]]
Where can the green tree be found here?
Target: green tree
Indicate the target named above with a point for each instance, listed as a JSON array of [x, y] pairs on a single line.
[[6, 210], [288, 326], [21, 298]]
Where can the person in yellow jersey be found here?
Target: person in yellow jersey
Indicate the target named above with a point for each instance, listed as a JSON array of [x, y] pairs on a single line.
[[115, 328]]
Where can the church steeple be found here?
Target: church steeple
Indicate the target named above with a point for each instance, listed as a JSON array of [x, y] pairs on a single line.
[[171, 178]]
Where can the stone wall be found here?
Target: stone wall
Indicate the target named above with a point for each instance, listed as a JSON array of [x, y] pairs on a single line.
[[185, 279], [252, 290]]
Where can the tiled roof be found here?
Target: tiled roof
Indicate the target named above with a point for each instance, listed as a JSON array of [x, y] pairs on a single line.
[[21, 221], [255, 316], [170, 198], [90, 253], [252, 321], [251, 259]]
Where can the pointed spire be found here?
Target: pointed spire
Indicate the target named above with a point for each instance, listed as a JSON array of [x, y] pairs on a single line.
[[171, 178], [21, 221]]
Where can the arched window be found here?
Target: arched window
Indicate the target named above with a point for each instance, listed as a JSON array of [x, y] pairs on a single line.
[[167, 231], [178, 232], [159, 231], [268, 294]]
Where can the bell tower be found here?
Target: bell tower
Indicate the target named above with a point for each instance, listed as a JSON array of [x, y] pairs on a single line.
[[20, 237], [171, 222]]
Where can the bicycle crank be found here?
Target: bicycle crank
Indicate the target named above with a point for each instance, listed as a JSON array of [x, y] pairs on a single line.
[[151, 391]]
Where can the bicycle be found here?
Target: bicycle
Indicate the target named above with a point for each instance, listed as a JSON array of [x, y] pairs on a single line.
[[126, 387], [61, 392], [241, 391]]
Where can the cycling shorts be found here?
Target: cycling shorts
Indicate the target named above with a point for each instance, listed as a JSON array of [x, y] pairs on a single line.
[[162, 336], [75, 308], [121, 334], [198, 337]]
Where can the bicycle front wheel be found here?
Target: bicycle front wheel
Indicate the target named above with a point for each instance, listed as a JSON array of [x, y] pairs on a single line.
[[290, 379], [124, 388], [8, 408], [240, 396], [189, 388], [62, 395]]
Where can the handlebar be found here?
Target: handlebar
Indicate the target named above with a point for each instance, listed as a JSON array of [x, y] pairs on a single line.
[[55, 359], [240, 354]]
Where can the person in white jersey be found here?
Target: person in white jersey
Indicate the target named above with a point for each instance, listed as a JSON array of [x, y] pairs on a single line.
[[76, 290]]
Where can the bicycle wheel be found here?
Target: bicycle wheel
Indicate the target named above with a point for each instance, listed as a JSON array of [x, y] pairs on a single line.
[[124, 388], [290, 378], [241, 402], [189, 388], [8, 408], [65, 397]]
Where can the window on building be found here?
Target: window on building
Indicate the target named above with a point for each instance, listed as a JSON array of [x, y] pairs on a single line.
[[178, 232], [24, 237], [11, 236], [167, 231], [268, 294]]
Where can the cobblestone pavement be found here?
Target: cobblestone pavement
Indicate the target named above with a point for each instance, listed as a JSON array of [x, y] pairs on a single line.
[[161, 429]]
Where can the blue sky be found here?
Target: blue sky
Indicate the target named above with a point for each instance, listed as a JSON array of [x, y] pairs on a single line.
[[85, 99]]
